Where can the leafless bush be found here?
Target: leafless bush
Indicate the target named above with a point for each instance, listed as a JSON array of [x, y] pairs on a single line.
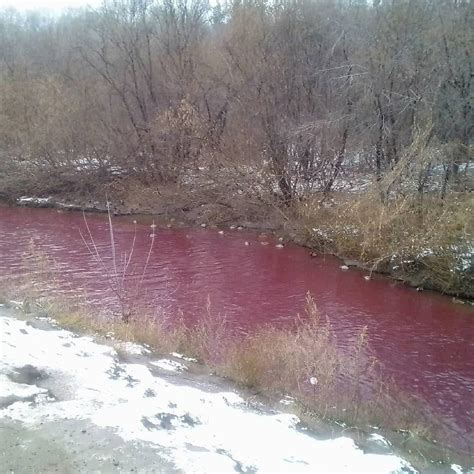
[[127, 289]]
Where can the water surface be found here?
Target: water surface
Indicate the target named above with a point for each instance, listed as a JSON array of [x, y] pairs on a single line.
[[424, 340]]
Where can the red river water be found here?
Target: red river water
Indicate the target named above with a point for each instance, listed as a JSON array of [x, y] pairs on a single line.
[[424, 340]]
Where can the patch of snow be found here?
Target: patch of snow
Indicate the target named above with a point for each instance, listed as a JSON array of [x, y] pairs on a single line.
[[132, 348], [33, 200], [456, 468], [48, 319], [8, 388], [380, 440], [66, 205], [177, 355], [425, 253], [321, 233], [169, 365], [16, 304], [195, 430], [287, 400], [464, 256]]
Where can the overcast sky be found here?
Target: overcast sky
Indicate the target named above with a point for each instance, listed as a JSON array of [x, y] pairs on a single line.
[[54, 5]]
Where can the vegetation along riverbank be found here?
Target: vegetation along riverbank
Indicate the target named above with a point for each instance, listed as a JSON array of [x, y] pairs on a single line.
[[343, 125], [333, 392]]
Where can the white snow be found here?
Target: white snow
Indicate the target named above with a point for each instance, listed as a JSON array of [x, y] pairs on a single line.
[[380, 440], [177, 355], [8, 388], [34, 200], [287, 400], [16, 304], [132, 348], [168, 364], [196, 430]]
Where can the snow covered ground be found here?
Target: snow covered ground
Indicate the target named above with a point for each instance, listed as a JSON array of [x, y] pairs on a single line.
[[70, 404]]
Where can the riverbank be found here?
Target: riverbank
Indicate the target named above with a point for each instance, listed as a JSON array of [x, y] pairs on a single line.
[[286, 378], [425, 245], [86, 404]]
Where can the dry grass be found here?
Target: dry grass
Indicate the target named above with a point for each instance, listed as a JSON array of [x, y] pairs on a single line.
[[404, 236], [307, 363]]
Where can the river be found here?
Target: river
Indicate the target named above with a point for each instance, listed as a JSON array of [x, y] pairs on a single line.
[[424, 340]]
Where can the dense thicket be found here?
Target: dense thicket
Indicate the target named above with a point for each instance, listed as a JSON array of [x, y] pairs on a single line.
[[299, 92]]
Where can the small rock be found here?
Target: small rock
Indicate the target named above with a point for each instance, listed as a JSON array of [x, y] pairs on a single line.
[[367, 277], [344, 267], [279, 246], [203, 225], [221, 232], [246, 243]]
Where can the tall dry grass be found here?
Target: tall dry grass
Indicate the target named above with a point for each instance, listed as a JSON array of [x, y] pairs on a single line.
[[431, 240], [307, 363]]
